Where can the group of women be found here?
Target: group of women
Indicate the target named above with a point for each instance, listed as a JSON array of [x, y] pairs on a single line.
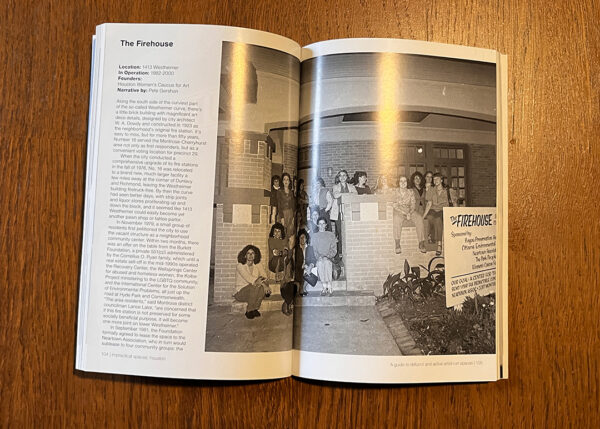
[[291, 258], [305, 237], [421, 200]]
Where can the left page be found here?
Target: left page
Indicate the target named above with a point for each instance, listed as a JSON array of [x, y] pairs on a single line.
[[187, 123]]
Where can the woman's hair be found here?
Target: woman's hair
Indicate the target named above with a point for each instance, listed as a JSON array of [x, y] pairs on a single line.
[[412, 179], [274, 178], [380, 180], [426, 173], [321, 181], [441, 176], [300, 183], [290, 179], [358, 175], [305, 234], [242, 255], [337, 176], [400, 177], [278, 226]]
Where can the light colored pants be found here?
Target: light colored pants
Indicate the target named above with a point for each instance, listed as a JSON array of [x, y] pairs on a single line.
[[400, 220], [325, 270]]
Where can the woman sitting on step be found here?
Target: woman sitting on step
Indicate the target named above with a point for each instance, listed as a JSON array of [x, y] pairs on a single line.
[[324, 245], [437, 198], [279, 257], [251, 280], [405, 211]]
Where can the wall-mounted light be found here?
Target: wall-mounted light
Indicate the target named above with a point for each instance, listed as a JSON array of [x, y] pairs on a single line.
[[420, 149]]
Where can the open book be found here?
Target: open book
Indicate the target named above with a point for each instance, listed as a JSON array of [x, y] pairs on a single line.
[[256, 209]]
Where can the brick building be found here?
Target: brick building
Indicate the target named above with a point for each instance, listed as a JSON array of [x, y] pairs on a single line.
[[257, 138], [393, 114]]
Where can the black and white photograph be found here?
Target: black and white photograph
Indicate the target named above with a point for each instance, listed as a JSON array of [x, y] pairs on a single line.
[[328, 231], [386, 142], [251, 289]]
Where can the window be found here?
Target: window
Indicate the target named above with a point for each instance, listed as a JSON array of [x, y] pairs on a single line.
[[450, 162]]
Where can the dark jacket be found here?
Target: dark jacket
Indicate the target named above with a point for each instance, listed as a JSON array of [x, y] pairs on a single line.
[[299, 261]]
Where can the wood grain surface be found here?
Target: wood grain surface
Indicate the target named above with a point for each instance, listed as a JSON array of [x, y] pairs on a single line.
[[554, 131]]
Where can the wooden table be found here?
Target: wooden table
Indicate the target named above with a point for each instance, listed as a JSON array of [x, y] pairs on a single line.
[[554, 132]]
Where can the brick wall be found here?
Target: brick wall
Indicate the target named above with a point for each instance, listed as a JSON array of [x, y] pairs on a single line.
[[361, 155], [351, 156], [370, 255], [290, 159], [266, 175], [248, 164], [229, 240], [483, 176]]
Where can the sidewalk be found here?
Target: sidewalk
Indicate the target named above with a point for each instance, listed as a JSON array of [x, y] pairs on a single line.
[[355, 330], [232, 332], [345, 330]]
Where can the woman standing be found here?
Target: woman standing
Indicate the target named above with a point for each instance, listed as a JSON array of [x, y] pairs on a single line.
[[325, 248], [250, 280], [340, 187], [286, 208], [302, 202], [322, 199], [418, 187], [428, 180], [382, 187], [360, 183], [275, 180], [437, 198], [428, 228]]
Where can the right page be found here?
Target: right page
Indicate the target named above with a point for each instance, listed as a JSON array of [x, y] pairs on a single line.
[[401, 146]]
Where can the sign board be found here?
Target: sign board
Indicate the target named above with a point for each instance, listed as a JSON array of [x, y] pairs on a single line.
[[469, 252]]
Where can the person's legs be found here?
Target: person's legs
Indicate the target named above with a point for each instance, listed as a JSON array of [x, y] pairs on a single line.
[[438, 226], [339, 226], [428, 229], [398, 223], [290, 227], [438, 229], [288, 292], [302, 287], [243, 295], [329, 270], [252, 295], [325, 272], [418, 221]]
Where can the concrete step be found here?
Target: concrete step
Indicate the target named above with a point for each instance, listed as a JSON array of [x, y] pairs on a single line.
[[339, 298], [336, 285], [275, 288], [273, 303]]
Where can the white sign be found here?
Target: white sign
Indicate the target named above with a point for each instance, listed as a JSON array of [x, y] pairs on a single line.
[[369, 211], [469, 252], [242, 214]]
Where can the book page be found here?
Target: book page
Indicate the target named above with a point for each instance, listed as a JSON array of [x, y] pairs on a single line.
[[399, 150], [186, 124]]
